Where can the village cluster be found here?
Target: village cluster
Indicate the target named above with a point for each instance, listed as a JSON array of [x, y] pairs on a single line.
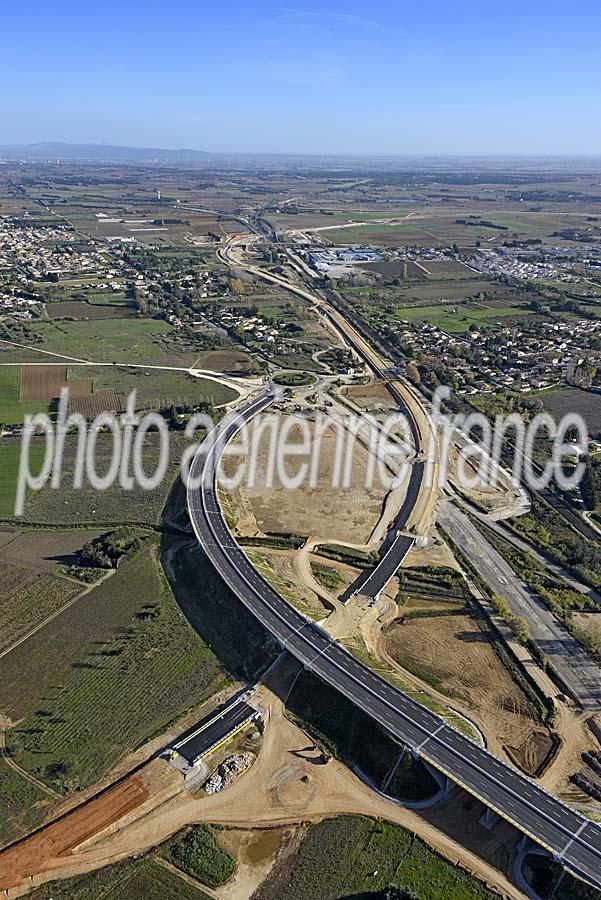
[[519, 358]]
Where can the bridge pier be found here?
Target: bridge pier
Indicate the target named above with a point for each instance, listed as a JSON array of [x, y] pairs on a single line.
[[489, 819], [527, 845], [445, 784]]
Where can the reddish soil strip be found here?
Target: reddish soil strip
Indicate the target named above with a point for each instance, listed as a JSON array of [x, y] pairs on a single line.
[[35, 854]]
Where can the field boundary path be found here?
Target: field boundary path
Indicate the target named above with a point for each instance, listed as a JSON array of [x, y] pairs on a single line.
[[57, 612], [5, 755]]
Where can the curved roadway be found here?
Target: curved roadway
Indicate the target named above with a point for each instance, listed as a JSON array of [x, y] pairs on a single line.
[[570, 837]]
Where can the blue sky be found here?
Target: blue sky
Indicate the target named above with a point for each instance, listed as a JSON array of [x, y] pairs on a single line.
[[380, 77]]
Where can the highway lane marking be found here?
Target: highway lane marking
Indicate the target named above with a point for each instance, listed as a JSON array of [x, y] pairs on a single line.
[[572, 839], [488, 776], [430, 736]]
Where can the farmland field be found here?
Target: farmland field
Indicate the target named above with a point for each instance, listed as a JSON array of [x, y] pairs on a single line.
[[455, 289], [226, 361], [41, 382], [386, 235], [79, 309], [444, 267], [43, 551], [154, 387], [143, 879], [28, 597], [79, 506], [391, 268], [317, 218], [22, 804], [80, 686], [95, 404], [456, 319], [10, 454], [572, 399], [352, 856], [12, 409], [429, 291], [109, 340]]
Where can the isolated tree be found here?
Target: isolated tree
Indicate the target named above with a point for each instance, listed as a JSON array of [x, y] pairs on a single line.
[[412, 373], [519, 626]]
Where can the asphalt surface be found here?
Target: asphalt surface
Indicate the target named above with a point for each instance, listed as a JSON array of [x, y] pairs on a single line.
[[574, 667], [213, 730], [379, 577], [573, 839]]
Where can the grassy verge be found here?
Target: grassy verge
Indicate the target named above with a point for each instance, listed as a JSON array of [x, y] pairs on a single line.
[[327, 576], [236, 637], [358, 648], [560, 599], [547, 531], [281, 584]]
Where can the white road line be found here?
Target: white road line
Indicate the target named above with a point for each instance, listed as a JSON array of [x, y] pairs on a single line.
[[430, 736], [572, 839], [508, 776]]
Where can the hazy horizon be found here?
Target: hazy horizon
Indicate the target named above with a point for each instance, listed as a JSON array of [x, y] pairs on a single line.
[[241, 154]]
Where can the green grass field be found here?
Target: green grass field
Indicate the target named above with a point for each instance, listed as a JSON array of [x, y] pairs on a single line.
[[460, 321], [109, 340], [197, 852], [292, 379], [23, 805], [143, 879], [104, 298], [112, 670], [352, 856], [12, 410], [68, 505], [10, 455]]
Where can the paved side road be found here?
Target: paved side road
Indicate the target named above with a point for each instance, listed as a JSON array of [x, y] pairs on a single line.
[[580, 674]]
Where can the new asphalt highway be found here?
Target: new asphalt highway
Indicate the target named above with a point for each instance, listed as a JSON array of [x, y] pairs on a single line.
[[571, 838], [213, 730]]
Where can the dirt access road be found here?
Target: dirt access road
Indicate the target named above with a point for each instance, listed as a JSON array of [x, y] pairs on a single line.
[[421, 517], [286, 785]]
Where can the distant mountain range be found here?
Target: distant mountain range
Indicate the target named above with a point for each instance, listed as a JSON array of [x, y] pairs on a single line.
[[51, 150]]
